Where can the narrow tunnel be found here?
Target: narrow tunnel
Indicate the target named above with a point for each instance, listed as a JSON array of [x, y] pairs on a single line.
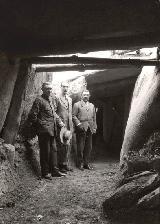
[[111, 93], [112, 97]]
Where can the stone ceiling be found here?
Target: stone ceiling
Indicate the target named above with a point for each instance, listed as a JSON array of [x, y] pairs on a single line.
[[42, 27]]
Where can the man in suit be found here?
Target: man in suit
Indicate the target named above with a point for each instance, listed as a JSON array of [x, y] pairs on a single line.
[[64, 111], [84, 118], [45, 120]]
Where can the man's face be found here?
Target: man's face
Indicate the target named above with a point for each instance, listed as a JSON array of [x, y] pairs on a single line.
[[47, 90], [85, 96], [64, 88]]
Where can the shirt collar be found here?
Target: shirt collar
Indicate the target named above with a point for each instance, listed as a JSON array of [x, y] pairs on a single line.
[[83, 103]]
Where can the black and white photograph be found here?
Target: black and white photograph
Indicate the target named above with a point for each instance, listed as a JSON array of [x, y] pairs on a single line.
[[80, 112]]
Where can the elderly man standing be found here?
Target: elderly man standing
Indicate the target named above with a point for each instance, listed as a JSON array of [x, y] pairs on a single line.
[[64, 111], [45, 120], [84, 118]]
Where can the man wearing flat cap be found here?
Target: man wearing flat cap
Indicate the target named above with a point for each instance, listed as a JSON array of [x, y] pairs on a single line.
[[45, 119], [64, 111]]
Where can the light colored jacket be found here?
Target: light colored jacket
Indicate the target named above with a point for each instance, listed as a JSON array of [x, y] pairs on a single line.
[[85, 114], [64, 111]]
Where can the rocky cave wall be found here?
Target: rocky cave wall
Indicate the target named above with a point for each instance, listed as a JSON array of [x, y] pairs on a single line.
[[8, 75], [144, 118], [15, 77], [138, 191]]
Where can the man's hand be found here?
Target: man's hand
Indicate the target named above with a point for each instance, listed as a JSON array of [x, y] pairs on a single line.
[[80, 127], [94, 131], [62, 125]]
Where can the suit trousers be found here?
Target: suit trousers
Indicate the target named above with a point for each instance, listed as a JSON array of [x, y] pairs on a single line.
[[84, 146], [64, 152], [48, 153]]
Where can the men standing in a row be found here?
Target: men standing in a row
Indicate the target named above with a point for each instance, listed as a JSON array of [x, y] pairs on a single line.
[[84, 118], [64, 111], [45, 119]]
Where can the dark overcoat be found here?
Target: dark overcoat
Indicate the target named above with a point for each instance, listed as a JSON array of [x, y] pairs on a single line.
[[44, 117]]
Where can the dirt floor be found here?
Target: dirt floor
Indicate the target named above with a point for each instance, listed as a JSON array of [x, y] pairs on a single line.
[[74, 199]]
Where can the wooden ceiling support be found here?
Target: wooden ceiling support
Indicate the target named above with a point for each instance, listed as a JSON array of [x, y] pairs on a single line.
[[80, 68], [93, 61], [63, 68]]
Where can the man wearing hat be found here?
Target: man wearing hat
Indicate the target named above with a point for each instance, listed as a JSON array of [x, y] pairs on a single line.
[[84, 118], [64, 111], [45, 119]]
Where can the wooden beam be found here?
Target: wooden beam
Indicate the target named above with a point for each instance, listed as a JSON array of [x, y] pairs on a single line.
[[93, 61], [80, 68]]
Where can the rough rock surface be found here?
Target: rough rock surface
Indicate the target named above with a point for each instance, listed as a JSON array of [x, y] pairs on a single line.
[[150, 201], [127, 198], [8, 74], [8, 176], [139, 186]]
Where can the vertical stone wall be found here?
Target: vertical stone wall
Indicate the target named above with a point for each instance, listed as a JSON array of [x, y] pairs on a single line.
[[9, 69], [8, 176], [144, 117], [8, 75], [33, 89], [14, 114]]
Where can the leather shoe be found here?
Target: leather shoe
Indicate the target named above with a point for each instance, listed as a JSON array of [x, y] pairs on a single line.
[[47, 176], [88, 167], [65, 167], [81, 167], [62, 170], [57, 173]]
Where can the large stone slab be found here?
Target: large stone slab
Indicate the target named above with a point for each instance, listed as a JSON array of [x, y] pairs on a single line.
[[124, 200], [8, 175], [8, 75], [150, 201]]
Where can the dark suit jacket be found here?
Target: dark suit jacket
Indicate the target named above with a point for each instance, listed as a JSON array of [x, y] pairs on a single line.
[[64, 111], [85, 114], [44, 117]]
